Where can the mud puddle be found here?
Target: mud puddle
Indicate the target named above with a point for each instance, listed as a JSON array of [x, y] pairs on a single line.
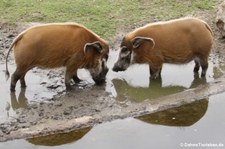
[[134, 84], [199, 124], [42, 87]]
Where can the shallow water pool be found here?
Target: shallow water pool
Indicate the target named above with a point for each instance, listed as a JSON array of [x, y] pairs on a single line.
[[134, 83]]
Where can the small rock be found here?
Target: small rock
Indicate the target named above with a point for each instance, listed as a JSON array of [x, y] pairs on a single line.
[[55, 117], [58, 104], [33, 123], [41, 103], [41, 114], [42, 83], [34, 107], [97, 110], [67, 112], [41, 110], [53, 86], [22, 121], [25, 126], [5, 131], [10, 36]]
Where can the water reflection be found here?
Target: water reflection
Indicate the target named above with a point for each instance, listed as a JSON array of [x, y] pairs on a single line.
[[155, 89], [204, 120], [185, 115], [59, 139], [20, 102]]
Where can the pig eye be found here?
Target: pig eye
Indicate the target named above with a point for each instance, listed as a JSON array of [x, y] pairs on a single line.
[[106, 57], [124, 49]]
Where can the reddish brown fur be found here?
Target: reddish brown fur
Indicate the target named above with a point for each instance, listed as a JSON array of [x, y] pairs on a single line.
[[56, 45], [178, 41]]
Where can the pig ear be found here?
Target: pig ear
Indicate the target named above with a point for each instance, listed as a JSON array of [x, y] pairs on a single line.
[[220, 24], [137, 41], [94, 45]]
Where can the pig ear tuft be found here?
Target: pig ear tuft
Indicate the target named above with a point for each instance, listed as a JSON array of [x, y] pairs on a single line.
[[137, 41], [94, 45]]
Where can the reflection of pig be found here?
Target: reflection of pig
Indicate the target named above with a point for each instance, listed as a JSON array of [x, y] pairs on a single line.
[[155, 89], [220, 19], [177, 41], [182, 116], [59, 138], [56, 45]]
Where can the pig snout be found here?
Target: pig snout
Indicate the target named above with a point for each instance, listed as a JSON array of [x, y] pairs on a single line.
[[120, 66], [100, 79], [117, 68]]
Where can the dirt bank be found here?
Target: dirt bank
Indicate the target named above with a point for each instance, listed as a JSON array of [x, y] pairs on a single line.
[[88, 105]]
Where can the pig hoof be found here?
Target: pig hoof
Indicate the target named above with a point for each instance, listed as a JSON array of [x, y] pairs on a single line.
[[203, 75], [76, 80], [100, 82], [118, 69], [68, 87], [12, 90], [23, 86], [153, 77]]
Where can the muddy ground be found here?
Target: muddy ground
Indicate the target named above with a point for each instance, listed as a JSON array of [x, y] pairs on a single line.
[[88, 105]]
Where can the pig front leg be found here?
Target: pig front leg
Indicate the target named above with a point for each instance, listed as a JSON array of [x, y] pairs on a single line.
[[71, 73], [155, 71], [76, 79]]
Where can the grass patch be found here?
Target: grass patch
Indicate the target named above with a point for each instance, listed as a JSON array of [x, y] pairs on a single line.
[[101, 16]]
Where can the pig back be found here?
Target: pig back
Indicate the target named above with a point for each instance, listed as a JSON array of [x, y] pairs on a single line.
[[178, 41], [52, 45]]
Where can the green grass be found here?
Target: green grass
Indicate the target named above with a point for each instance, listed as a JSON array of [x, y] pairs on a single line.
[[101, 16]]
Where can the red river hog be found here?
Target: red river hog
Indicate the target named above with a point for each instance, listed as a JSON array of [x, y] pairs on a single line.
[[59, 44], [177, 41]]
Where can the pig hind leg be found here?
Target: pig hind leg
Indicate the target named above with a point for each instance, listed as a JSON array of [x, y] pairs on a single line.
[[76, 79], [23, 82], [155, 72], [17, 75], [197, 65], [71, 73], [204, 66], [67, 80], [203, 62]]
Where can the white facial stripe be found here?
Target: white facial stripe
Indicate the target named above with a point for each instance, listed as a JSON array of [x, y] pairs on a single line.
[[100, 65], [132, 57], [103, 60], [125, 54]]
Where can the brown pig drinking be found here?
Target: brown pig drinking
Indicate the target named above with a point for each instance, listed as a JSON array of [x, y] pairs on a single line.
[[68, 45], [177, 41]]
